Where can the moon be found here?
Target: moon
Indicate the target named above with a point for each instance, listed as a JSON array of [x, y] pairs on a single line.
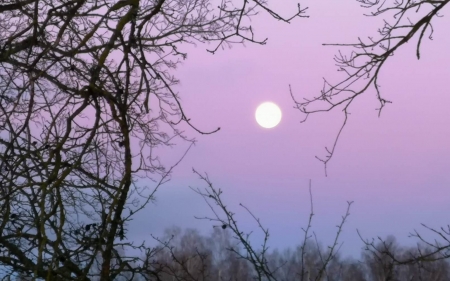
[[268, 115]]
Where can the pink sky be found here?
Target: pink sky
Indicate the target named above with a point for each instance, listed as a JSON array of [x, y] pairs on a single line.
[[395, 168]]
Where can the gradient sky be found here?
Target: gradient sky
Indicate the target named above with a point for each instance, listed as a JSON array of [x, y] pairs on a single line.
[[395, 168]]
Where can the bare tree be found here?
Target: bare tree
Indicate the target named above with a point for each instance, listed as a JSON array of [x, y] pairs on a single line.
[[352, 270], [412, 21], [381, 261], [380, 265], [184, 256], [310, 266], [228, 265], [187, 255], [86, 100], [428, 261]]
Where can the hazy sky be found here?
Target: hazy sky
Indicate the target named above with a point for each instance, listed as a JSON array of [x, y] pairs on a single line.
[[395, 168]]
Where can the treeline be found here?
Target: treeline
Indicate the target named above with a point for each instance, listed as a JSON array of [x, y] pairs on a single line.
[[192, 256], [189, 256]]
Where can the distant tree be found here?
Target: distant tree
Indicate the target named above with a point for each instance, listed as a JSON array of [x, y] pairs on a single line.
[[352, 270], [380, 266], [228, 265], [184, 255], [190, 256], [86, 100], [386, 260]]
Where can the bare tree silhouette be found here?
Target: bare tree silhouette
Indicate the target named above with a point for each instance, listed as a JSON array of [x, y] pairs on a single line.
[[307, 268], [86, 100], [411, 20]]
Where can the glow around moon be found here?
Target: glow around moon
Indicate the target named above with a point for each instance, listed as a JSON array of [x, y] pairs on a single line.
[[268, 115]]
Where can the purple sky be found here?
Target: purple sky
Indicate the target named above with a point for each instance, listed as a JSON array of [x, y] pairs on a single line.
[[395, 168]]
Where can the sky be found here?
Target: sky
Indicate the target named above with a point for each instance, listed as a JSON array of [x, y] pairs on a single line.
[[395, 168]]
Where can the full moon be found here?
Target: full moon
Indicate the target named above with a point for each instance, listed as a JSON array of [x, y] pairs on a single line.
[[268, 115]]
